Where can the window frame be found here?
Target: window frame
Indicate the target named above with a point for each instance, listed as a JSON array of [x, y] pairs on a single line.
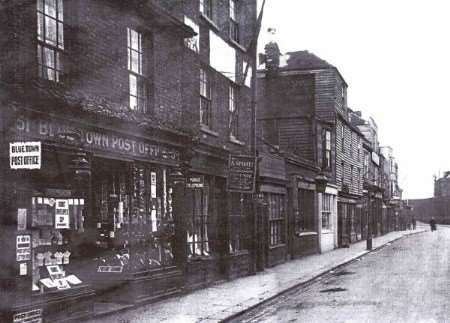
[[327, 148], [233, 111], [205, 95], [276, 210], [50, 52], [137, 82], [206, 8], [200, 245], [233, 22], [326, 211]]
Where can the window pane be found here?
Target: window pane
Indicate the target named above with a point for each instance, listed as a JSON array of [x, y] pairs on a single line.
[[40, 26], [50, 8], [40, 5], [50, 31], [49, 58], [133, 102], [135, 61], [61, 35], [60, 10], [134, 40], [133, 85]]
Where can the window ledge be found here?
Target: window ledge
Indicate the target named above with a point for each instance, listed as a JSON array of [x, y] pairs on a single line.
[[236, 141], [239, 253], [327, 231], [209, 21], [235, 43], [306, 233], [280, 245], [208, 131]]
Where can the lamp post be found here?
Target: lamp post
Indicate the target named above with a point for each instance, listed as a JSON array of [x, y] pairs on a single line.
[[368, 186]]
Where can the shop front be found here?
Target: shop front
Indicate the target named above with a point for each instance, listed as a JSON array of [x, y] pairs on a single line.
[[93, 218], [218, 221]]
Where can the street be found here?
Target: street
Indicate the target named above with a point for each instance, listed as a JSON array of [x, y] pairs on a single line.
[[406, 281]]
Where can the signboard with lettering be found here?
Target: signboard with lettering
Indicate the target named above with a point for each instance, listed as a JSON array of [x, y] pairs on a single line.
[[197, 181], [25, 155], [241, 174], [62, 214], [94, 139], [33, 316]]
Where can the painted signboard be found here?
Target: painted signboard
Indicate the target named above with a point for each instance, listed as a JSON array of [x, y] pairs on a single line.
[[94, 139], [241, 174]]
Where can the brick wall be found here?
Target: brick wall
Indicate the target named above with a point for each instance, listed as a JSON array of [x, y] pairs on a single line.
[[95, 54]]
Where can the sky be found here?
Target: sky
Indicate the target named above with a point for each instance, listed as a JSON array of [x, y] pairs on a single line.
[[395, 58]]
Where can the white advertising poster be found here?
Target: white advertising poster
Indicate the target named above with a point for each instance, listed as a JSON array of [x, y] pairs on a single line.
[[62, 214], [25, 155]]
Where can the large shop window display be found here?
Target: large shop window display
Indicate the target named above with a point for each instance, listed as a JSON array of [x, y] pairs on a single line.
[[51, 214], [132, 205]]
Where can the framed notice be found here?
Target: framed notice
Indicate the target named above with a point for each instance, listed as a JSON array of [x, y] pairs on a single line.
[[25, 155], [62, 214], [241, 174]]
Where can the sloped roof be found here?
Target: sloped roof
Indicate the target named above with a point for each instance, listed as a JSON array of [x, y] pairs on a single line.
[[305, 60]]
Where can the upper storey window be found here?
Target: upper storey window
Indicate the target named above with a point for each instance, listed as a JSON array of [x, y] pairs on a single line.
[[234, 26], [50, 34], [206, 8], [137, 89]]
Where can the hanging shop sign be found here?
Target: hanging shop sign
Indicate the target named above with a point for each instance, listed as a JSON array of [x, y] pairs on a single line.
[[241, 174], [94, 139], [25, 155], [197, 181]]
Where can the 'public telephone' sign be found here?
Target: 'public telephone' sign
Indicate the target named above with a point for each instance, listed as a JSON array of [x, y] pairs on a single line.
[[25, 155], [241, 174]]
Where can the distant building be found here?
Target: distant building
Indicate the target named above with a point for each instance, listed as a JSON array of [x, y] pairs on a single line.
[[442, 185]]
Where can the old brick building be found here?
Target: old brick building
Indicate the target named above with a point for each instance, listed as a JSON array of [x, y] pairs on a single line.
[[125, 103]]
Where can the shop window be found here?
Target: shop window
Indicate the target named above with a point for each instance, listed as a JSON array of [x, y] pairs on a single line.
[[50, 35], [205, 98], [133, 203], [238, 223], [326, 211], [137, 82], [276, 210], [199, 221], [233, 112], [304, 221], [234, 26]]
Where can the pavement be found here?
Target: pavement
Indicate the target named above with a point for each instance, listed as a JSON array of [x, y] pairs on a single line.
[[227, 300]]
